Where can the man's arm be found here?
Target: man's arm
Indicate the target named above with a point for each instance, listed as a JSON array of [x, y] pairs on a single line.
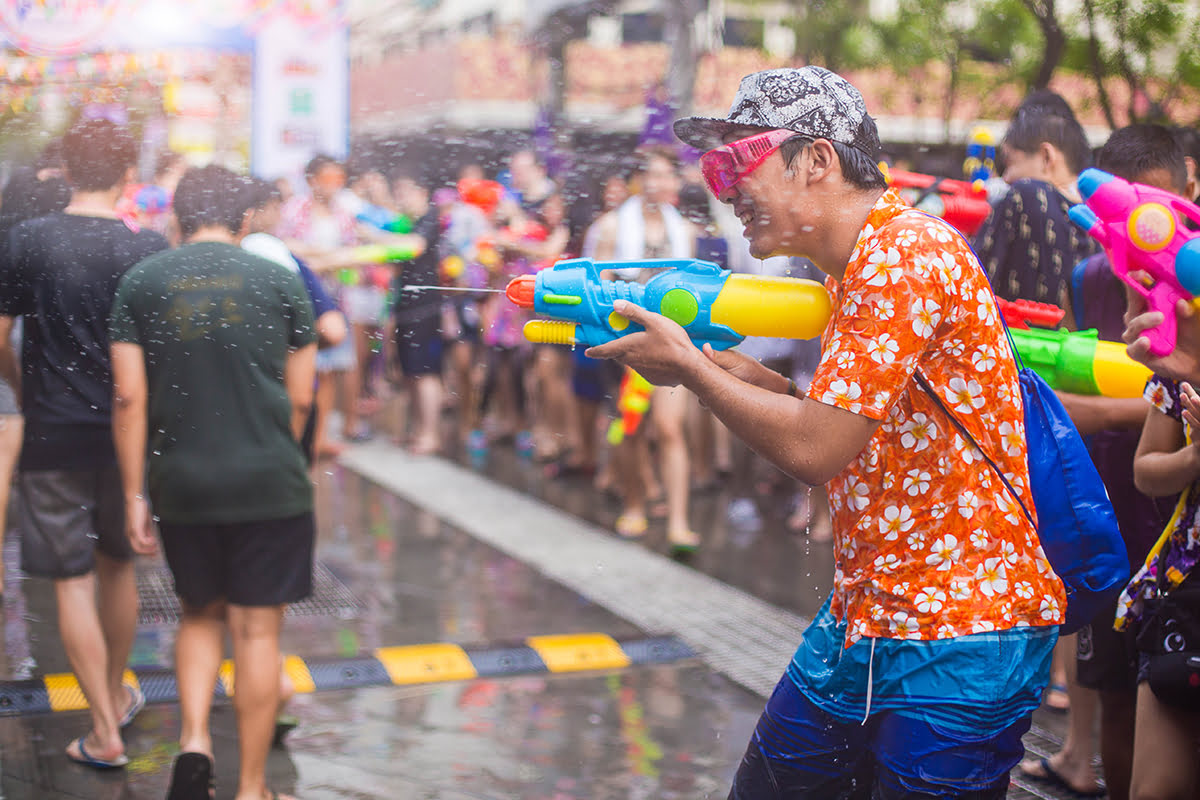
[[9, 372], [130, 396], [299, 373], [1095, 414], [811, 441]]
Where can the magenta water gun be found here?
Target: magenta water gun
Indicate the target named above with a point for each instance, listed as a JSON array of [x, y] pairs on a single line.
[[1141, 228]]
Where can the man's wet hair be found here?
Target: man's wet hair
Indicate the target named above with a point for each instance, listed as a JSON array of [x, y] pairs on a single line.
[[1044, 116], [318, 163], [858, 169], [1136, 149], [210, 196], [97, 154]]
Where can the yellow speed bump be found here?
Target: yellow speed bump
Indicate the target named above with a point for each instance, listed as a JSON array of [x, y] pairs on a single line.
[[65, 695], [574, 652], [425, 663]]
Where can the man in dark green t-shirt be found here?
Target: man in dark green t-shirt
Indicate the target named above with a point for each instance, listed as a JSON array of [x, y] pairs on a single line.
[[213, 354]]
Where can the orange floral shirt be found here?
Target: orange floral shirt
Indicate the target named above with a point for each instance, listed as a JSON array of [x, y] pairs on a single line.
[[929, 544]]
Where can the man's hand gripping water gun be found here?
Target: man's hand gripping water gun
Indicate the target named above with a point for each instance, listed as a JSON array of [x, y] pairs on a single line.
[[713, 306], [1149, 248]]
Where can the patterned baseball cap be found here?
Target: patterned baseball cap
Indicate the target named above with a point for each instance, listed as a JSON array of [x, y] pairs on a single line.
[[809, 100]]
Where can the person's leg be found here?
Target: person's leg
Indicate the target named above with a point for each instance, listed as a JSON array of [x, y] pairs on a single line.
[[11, 427], [1165, 766], [325, 400], [1118, 717], [798, 752], [199, 646], [118, 606], [255, 634], [84, 642], [627, 460], [920, 760], [427, 398], [1073, 762], [1057, 697], [669, 410]]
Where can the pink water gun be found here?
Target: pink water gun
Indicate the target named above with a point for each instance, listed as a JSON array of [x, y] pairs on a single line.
[[1141, 229]]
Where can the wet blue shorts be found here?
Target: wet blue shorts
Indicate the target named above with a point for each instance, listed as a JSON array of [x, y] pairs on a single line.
[[799, 751]]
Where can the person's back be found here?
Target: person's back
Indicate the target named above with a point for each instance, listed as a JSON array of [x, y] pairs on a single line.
[[216, 324], [66, 268], [1028, 245]]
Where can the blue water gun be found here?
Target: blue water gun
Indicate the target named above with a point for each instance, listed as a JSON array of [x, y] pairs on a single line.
[[714, 305]]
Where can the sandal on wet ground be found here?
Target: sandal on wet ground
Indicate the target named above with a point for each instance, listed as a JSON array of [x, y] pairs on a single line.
[[88, 760], [137, 702], [631, 526], [1047, 775], [192, 778]]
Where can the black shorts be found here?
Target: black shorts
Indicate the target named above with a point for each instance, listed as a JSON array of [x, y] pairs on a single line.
[[1106, 660], [65, 516], [265, 563], [419, 347]]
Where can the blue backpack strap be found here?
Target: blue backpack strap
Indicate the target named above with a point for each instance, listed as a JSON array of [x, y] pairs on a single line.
[[1077, 306]]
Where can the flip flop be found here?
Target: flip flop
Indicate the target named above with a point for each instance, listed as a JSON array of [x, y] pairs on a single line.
[[89, 760], [631, 526], [284, 724], [139, 702], [1051, 778], [191, 777]]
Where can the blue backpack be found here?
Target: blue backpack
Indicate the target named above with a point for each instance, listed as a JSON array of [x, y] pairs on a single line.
[[1075, 519]]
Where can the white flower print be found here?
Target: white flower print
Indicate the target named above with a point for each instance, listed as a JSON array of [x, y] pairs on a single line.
[[968, 503], [955, 348], [895, 521], [1012, 437], [1156, 394], [1008, 552], [930, 600], [938, 510], [1024, 590], [884, 307], [967, 453], [844, 360], [979, 540], [984, 359], [906, 237], [858, 494], [883, 267], [903, 625], [900, 589], [887, 563], [883, 348], [986, 310], [843, 394], [882, 399], [983, 626], [916, 482], [944, 553], [992, 576], [946, 631], [965, 396], [917, 433], [926, 316], [960, 590], [1048, 608], [916, 540]]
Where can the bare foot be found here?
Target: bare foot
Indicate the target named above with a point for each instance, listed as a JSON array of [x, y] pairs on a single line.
[[91, 751], [423, 446]]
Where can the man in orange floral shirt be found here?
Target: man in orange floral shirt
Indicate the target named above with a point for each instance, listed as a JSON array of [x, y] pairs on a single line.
[[919, 676]]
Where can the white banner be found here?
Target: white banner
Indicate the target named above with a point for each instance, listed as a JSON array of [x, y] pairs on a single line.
[[301, 103]]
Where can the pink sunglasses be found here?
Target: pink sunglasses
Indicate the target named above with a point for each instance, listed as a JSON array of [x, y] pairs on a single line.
[[724, 166]]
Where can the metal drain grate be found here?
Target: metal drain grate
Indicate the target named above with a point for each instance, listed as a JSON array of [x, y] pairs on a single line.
[[158, 605]]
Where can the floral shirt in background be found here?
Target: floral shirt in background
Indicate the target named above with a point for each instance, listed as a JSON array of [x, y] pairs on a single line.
[[929, 544], [1174, 556]]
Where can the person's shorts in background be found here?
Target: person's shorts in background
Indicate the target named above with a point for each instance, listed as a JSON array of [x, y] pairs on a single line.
[[419, 347], [799, 751], [263, 563], [364, 305], [65, 516], [1106, 660], [8, 399], [339, 358]]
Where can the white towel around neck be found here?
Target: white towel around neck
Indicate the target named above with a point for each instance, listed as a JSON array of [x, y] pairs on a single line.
[[631, 231]]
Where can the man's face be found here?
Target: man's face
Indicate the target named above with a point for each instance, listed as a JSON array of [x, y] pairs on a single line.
[[770, 202], [660, 184], [524, 171]]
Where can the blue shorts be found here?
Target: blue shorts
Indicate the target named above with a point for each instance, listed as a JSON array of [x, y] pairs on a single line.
[[799, 751]]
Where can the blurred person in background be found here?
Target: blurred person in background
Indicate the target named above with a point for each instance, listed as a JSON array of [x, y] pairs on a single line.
[[59, 273], [314, 226], [213, 353], [648, 226]]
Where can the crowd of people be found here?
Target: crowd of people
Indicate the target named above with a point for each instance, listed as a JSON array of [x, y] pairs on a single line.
[[190, 348]]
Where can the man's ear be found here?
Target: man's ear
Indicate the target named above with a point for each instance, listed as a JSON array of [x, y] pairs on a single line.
[[1193, 180], [823, 161]]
